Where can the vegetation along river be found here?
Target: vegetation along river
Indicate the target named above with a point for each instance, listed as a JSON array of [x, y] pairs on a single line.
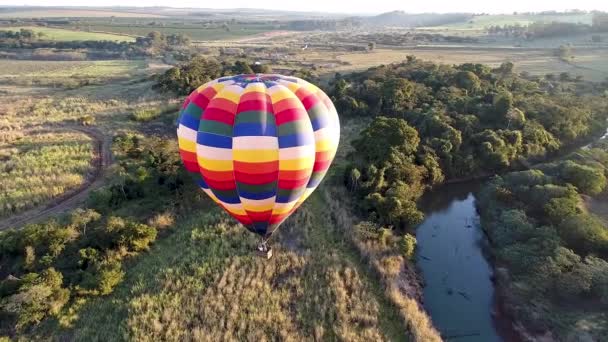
[[458, 292]]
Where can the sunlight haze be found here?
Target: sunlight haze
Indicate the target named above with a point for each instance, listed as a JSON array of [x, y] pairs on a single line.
[[439, 6]]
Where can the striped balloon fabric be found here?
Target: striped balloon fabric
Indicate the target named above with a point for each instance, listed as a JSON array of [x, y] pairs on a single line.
[[258, 145]]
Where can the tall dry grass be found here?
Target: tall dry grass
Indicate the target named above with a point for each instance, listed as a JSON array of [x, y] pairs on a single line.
[[381, 249], [41, 166]]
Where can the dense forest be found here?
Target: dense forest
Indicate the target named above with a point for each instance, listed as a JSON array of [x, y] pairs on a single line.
[[432, 123], [550, 249]]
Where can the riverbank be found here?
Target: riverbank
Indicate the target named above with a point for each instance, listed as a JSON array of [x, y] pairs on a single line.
[[549, 248]]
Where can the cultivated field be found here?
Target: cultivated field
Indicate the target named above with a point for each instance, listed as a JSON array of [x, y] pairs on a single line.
[[40, 166], [483, 21], [196, 32], [70, 35], [591, 64]]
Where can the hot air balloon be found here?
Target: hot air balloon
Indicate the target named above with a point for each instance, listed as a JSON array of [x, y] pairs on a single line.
[[258, 145]]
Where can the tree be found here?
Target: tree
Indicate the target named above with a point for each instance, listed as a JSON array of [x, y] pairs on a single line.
[[590, 180], [132, 235], [39, 295], [468, 80], [386, 133], [585, 234], [185, 78], [81, 218]]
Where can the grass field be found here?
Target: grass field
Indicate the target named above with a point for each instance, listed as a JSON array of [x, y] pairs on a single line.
[[483, 21], [70, 35], [194, 32], [111, 68], [41, 166], [536, 62]]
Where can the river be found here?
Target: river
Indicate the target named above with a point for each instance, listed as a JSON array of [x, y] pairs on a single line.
[[458, 291]]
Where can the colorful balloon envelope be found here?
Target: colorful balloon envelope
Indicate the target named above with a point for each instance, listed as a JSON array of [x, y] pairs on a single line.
[[258, 145]]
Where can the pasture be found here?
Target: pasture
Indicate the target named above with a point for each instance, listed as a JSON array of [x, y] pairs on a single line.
[[590, 65], [192, 30], [40, 166], [71, 35], [483, 21]]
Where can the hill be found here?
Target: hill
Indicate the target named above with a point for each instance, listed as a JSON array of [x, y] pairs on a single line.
[[400, 18]]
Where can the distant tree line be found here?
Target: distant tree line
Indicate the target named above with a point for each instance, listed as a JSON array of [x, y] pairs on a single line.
[[183, 79], [551, 29], [151, 44]]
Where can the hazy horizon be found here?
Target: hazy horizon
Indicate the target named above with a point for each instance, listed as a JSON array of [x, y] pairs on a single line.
[[381, 6]]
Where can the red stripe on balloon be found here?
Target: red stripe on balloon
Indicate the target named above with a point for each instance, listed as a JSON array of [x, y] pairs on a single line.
[[292, 184], [218, 176], [256, 168], [285, 104], [200, 100], [321, 165], [219, 185], [309, 101], [289, 115], [261, 216], [255, 179], [220, 115], [254, 105], [294, 174], [243, 219], [224, 104]]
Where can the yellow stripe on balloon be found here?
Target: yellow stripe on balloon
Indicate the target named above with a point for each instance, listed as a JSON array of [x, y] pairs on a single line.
[[256, 208], [256, 156], [324, 145], [231, 93], [234, 208], [283, 208], [281, 93], [255, 87], [296, 164], [215, 165], [186, 145]]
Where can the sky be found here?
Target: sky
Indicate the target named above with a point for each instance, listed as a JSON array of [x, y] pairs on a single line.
[[346, 6]]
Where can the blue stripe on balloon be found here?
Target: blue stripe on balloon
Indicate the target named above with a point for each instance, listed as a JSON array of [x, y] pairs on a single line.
[[213, 140], [227, 199], [292, 196], [189, 121], [320, 122], [257, 195], [245, 129], [294, 140]]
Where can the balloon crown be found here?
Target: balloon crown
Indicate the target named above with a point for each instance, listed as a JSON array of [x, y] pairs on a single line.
[[244, 79]]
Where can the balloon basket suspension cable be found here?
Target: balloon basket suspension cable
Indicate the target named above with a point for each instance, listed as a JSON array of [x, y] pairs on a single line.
[[263, 250]]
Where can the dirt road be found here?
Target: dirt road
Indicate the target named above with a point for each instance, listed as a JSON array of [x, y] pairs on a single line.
[[101, 160]]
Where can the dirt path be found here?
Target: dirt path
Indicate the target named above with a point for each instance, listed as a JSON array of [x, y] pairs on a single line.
[[101, 160]]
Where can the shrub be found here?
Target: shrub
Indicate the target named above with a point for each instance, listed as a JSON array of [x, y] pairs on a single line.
[[39, 295], [151, 113], [408, 245]]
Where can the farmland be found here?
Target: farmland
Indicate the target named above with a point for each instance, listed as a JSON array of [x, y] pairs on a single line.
[[38, 167], [196, 32], [70, 35]]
